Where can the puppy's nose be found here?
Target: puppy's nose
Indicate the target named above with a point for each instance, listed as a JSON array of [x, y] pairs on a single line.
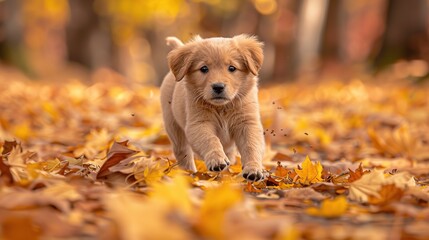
[[218, 87]]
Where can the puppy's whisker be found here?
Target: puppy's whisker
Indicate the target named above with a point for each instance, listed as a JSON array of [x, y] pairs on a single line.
[[199, 97], [239, 97]]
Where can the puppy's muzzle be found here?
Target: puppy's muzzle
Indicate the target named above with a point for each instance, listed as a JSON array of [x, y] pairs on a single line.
[[218, 88]]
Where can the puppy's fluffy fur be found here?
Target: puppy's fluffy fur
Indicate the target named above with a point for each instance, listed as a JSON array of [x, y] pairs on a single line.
[[210, 104]]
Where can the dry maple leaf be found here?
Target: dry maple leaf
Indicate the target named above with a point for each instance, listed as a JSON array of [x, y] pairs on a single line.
[[281, 171], [402, 180], [9, 145], [396, 142], [117, 153], [310, 172], [387, 194], [150, 170], [369, 185], [356, 174], [330, 208]]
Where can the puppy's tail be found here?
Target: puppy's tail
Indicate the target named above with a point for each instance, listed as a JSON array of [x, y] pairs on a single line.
[[174, 42]]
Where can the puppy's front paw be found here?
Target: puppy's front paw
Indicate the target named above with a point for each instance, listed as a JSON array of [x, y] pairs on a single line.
[[217, 162], [253, 173]]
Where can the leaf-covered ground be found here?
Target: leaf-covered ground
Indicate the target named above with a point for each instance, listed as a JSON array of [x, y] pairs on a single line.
[[344, 161]]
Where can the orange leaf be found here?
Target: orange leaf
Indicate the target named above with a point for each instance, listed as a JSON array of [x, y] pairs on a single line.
[[251, 189], [357, 174], [280, 171], [387, 194], [117, 153]]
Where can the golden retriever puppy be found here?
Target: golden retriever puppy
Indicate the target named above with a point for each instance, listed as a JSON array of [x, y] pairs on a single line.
[[210, 103]]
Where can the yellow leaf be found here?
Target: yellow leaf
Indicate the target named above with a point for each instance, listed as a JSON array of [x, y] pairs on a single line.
[[173, 195], [289, 232], [47, 166], [150, 171], [131, 211], [216, 204], [201, 166], [323, 136], [22, 131], [63, 190], [330, 208], [310, 172], [51, 110]]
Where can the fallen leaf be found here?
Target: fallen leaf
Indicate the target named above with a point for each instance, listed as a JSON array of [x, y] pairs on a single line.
[[367, 185], [356, 174], [117, 153], [401, 180], [310, 172], [251, 189], [214, 208], [173, 194], [330, 208], [9, 145], [388, 193], [281, 171], [131, 211], [303, 194], [370, 184]]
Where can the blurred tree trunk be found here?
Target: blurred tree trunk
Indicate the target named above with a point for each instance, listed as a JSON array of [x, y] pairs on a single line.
[[88, 40], [331, 37], [12, 49], [284, 40], [312, 17], [406, 33]]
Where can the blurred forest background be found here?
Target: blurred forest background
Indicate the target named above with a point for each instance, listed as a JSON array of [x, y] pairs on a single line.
[[124, 39]]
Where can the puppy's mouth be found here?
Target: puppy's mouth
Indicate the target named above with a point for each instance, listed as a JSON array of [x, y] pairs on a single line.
[[219, 100]]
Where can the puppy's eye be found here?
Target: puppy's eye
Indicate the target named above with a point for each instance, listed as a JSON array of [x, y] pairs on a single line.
[[232, 68], [204, 69]]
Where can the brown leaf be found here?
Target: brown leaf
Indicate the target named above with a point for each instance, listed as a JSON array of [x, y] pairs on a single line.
[[327, 187], [9, 145], [357, 174], [280, 170], [6, 175], [387, 194], [117, 153]]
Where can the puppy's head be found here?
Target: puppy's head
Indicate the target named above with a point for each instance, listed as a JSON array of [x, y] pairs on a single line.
[[218, 70]]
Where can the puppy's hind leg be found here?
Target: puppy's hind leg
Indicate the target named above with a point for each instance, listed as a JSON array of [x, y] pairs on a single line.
[[182, 150]]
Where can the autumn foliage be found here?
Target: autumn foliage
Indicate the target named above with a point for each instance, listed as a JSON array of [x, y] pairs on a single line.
[[343, 161]]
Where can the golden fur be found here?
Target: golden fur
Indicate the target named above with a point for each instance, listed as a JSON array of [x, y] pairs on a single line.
[[199, 119]]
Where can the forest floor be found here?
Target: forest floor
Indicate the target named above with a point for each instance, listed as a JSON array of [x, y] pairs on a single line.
[[344, 160]]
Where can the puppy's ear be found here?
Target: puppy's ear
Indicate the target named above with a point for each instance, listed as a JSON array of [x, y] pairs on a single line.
[[179, 61], [251, 50], [173, 42]]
